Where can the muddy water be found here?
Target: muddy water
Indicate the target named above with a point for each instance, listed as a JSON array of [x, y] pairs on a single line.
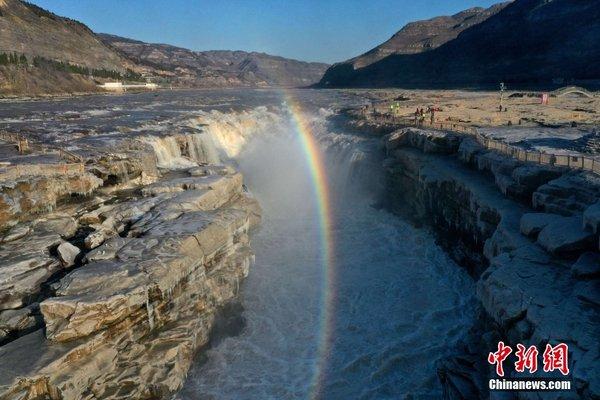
[[397, 302]]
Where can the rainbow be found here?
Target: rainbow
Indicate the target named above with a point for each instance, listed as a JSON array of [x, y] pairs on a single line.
[[316, 165]]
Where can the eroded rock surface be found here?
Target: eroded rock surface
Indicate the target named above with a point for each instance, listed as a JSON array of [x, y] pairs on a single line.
[[26, 262], [110, 278], [533, 223], [30, 195], [532, 290], [127, 323], [566, 235]]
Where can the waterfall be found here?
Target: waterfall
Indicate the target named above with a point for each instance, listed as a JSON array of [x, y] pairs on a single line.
[[353, 161], [392, 283], [168, 153], [231, 132], [201, 148], [183, 150], [212, 137]]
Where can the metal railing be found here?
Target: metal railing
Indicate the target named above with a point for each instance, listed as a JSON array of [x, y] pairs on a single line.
[[584, 163]]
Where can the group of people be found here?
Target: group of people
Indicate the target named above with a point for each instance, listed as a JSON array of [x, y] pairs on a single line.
[[420, 115]]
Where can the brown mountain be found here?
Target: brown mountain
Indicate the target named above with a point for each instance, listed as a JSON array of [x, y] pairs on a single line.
[[218, 68], [42, 53], [527, 43], [33, 31], [421, 36], [49, 49]]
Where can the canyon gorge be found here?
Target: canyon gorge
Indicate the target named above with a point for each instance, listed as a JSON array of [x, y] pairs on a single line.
[[193, 246], [195, 224]]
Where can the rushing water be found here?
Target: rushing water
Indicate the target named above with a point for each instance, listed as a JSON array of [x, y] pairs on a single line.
[[394, 303], [397, 302]]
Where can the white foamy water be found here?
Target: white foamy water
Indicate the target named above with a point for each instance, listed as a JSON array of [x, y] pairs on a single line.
[[233, 131], [399, 303], [200, 147]]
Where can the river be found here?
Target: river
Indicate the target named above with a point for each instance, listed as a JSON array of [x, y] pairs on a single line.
[[369, 320], [392, 303]]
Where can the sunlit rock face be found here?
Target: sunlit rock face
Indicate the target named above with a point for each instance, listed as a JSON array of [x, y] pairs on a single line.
[[111, 278], [29, 195], [130, 319]]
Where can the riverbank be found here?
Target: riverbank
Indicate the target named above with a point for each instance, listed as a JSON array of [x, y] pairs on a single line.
[[527, 233], [88, 311], [113, 272]]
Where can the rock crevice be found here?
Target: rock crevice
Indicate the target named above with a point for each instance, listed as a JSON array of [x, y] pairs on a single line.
[[536, 280]]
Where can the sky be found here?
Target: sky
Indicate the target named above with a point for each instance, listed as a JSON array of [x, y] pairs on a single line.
[[309, 30]]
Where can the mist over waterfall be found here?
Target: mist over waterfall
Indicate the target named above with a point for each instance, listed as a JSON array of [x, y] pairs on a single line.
[[233, 131], [398, 303]]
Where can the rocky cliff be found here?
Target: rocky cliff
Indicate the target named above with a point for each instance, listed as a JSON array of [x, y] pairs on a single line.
[[528, 234], [218, 68], [528, 42], [113, 271]]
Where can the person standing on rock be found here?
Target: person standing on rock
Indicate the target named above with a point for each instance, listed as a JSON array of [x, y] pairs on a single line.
[[432, 116]]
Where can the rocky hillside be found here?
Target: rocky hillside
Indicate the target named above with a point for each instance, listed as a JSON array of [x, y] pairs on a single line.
[[421, 36], [218, 68], [42, 53], [33, 31], [528, 42]]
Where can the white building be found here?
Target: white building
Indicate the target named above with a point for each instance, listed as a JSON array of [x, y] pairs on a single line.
[[119, 86], [112, 85]]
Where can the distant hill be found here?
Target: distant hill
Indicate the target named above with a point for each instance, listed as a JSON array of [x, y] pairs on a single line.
[[31, 30], [523, 43], [420, 36], [43, 53], [218, 68]]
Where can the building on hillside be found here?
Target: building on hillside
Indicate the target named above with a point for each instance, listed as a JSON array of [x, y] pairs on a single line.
[[119, 86]]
